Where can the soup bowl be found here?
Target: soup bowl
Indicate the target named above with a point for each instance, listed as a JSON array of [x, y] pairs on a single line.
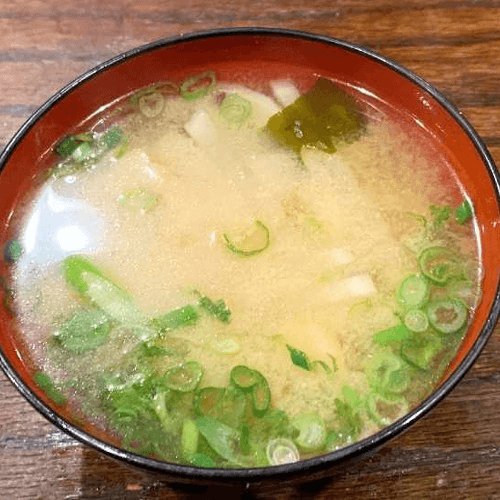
[[233, 55]]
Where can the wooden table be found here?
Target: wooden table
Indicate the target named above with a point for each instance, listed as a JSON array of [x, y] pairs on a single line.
[[454, 453]]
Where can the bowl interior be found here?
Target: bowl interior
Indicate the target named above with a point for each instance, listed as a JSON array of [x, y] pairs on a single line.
[[246, 57]]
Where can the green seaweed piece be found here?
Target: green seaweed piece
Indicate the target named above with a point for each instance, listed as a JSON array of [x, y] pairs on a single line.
[[321, 118]]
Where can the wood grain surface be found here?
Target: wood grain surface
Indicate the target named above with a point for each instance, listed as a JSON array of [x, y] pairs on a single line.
[[453, 453]]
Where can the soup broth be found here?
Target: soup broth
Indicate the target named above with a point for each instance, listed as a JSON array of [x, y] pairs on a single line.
[[227, 276]]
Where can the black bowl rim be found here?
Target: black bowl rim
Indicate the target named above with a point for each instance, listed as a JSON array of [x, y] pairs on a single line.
[[190, 473]]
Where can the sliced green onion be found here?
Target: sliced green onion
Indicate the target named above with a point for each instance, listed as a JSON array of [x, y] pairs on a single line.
[[227, 406], [235, 110], [336, 440], [202, 460], [67, 146], [131, 401], [299, 358], [160, 408], [82, 152], [463, 289], [113, 137], [439, 264], [13, 250], [281, 451], [151, 104], [243, 377], [223, 439], [47, 385], [207, 399], [85, 137], [122, 148], [464, 212], [244, 444], [392, 335], [261, 395], [311, 431], [150, 350], [416, 320], [138, 200], [85, 330], [384, 410], [440, 214], [196, 87], [347, 413], [351, 396], [189, 439], [421, 350], [324, 365], [90, 282], [178, 318], [447, 315], [164, 88], [413, 291], [252, 241], [218, 309], [184, 377], [388, 373]]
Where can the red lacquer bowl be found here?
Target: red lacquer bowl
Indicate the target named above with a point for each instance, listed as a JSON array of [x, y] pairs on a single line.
[[234, 55]]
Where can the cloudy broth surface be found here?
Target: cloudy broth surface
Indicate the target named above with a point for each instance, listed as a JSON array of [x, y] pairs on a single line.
[[224, 279]]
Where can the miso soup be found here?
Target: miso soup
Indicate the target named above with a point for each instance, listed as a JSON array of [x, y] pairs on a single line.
[[229, 275]]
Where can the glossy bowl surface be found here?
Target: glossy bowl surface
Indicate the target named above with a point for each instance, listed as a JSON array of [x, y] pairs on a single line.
[[235, 55]]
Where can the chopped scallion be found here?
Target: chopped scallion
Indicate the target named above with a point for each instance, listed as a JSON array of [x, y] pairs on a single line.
[[235, 110], [218, 309], [196, 87], [311, 431], [207, 399], [202, 460], [384, 410], [85, 330], [388, 373], [90, 282], [47, 385], [413, 291], [223, 439], [251, 241], [464, 212], [439, 264], [299, 358], [12, 251], [261, 395], [281, 451], [420, 350], [138, 200], [392, 335], [178, 318], [151, 104], [416, 320], [184, 377], [67, 147], [243, 377], [189, 439], [447, 315]]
